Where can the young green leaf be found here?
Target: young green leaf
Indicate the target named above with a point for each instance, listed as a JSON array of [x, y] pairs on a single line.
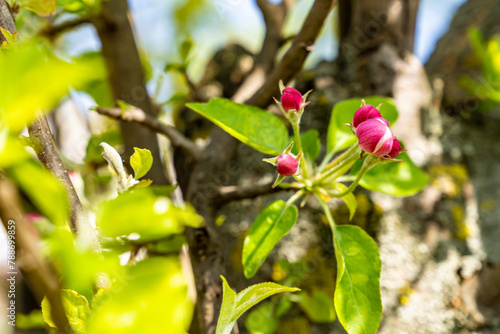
[[255, 127], [234, 305], [272, 224], [141, 161], [318, 307], [339, 135], [76, 308], [398, 178], [357, 295]]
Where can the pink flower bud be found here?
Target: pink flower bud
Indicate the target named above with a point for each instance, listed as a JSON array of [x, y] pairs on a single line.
[[375, 137], [365, 112], [291, 99], [287, 164], [396, 148]]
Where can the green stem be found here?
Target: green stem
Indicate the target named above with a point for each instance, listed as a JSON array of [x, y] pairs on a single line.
[[328, 213], [292, 200], [369, 162], [347, 162], [298, 143]]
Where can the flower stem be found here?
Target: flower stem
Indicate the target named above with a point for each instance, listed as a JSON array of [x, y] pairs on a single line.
[[328, 213], [344, 164], [369, 163], [298, 143]]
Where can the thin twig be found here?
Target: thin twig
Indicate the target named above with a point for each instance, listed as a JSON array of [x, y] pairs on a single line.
[[235, 193], [37, 272], [138, 116]]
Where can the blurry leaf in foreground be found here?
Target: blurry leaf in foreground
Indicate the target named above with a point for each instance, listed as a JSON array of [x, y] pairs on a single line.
[[146, 214], [26, 69], [153, 299]]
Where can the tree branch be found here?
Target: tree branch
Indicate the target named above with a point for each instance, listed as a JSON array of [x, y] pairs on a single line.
[[138, 116], [52, 31], [36, 270], [294, 58], [46, 151]]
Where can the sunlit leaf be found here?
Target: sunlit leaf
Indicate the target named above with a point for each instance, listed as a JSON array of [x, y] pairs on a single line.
[[272, 224], [141, 162], [357, 294], [149, 216], [26, 69], [234, 305], [152, 299], [41, 7], [340, 135], [253, 126], [76, 307]]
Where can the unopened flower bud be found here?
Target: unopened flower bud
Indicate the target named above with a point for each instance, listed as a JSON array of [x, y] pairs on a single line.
[[287, 164], [396, 148], [363, 113], [291, 100], [375, 137]]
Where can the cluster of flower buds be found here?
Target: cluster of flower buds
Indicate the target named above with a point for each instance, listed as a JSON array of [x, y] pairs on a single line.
[[373, 133]]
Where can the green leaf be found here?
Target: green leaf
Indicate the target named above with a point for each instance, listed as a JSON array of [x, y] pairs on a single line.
[[395, 178], [152, 299], [318, 307], [310, 144], [141, 162], [357, 294], [93, 152], [272, 224], [142, 212], [76, 308], [41, 7], [46, 193], [340, 135], [255, 127], [233, 306], [261, 320]]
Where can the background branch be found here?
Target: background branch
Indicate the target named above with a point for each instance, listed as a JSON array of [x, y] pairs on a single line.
[[37, 272], [52, 31], [236, 193], [140, 117]]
